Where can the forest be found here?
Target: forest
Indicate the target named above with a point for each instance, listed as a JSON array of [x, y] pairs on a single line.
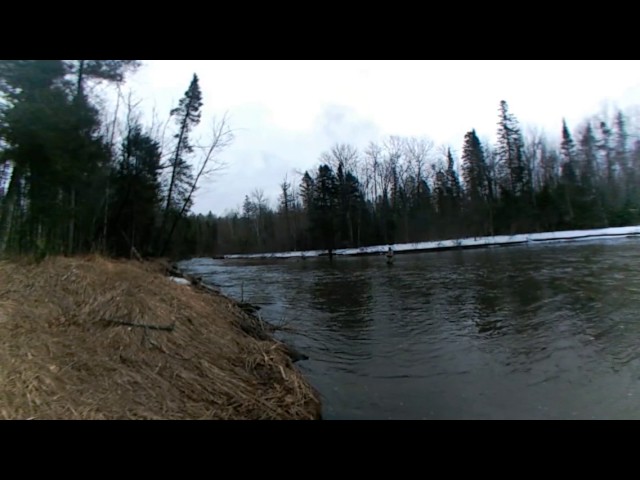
[[410, 190], [77, 176]]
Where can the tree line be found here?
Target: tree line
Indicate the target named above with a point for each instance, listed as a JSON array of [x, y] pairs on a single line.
[[77, 177], [407, 190]]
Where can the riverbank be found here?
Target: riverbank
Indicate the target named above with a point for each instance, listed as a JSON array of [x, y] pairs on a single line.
[[92, 338], [460, 243]]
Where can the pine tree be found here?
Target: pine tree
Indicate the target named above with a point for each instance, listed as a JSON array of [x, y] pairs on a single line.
[[594, 214], [569, 174], [61, 161], [307, 187], [34, 102], [510, 153], [90, 163], [325, 203], [454, 190], [627, 176], [99, 70], [474, 168], [136, 193], [588, 164], [286, 208], [187, 116], [475, 176], [621, 140]]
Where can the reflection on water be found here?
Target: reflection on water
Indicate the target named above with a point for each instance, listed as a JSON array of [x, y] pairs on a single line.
[[519, 332]]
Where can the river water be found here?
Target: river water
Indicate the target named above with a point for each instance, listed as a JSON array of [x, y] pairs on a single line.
[[520, 332]]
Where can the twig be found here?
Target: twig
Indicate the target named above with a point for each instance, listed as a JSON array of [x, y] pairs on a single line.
[[282, 326], [168, 328]]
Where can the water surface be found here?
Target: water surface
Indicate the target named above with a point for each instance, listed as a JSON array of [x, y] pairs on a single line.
[[521, 332]]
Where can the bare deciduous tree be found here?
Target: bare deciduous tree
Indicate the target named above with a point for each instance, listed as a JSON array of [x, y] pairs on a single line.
[[209, 164]]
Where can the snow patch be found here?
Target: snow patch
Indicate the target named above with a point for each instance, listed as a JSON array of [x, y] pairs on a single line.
[[492, 241]]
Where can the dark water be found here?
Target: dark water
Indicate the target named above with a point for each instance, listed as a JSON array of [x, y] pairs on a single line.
[[526, 332]]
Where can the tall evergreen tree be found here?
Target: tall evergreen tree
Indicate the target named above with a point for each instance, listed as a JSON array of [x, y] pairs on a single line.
[[136, 193], [88, 151], [475, 176], [473, 167], [569, 170], [34, 115], [510, 152], [627, 176], [594, 214], [325, 203], [454, 190], [187, 116], [287, 210]]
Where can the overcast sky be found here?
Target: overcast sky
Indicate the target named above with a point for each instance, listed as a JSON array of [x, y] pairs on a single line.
[[286, 113]]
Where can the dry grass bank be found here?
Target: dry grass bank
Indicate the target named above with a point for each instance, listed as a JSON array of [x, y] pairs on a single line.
[[68, 349]]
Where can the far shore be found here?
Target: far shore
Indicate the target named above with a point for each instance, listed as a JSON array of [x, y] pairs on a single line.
[[460, 243]]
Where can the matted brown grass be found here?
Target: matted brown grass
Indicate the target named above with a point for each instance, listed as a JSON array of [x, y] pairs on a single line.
[[66, 354]]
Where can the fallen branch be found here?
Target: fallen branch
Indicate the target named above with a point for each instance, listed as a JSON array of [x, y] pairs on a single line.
[[168, 328]]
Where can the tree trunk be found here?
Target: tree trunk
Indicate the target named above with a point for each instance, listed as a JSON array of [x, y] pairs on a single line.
[[8, 206], [174, 170], [80, 79], [72, 220], [568, 200], [350, 223], [491, 229], [105, 222]]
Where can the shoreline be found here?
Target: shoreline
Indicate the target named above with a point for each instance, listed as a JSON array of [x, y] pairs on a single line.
[[455, 244], [96, 338], [250, 321]]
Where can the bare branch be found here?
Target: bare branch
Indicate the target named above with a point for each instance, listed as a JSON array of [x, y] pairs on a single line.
[[167, 328], [222, 137]]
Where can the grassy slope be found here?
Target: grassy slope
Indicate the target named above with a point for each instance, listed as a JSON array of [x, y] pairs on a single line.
[[67, 351]]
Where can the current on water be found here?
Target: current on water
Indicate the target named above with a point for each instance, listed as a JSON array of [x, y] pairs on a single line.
[[522, 332]]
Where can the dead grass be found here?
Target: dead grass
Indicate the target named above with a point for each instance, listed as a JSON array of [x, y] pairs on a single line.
[[66, 351]]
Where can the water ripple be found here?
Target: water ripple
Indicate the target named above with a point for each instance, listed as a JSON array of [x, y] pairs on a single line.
[[543, 331]]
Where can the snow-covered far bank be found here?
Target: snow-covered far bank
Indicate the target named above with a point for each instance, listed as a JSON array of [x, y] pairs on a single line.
[[471, 242]]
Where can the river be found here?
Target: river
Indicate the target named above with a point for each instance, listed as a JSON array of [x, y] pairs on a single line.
[[519, 332]]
